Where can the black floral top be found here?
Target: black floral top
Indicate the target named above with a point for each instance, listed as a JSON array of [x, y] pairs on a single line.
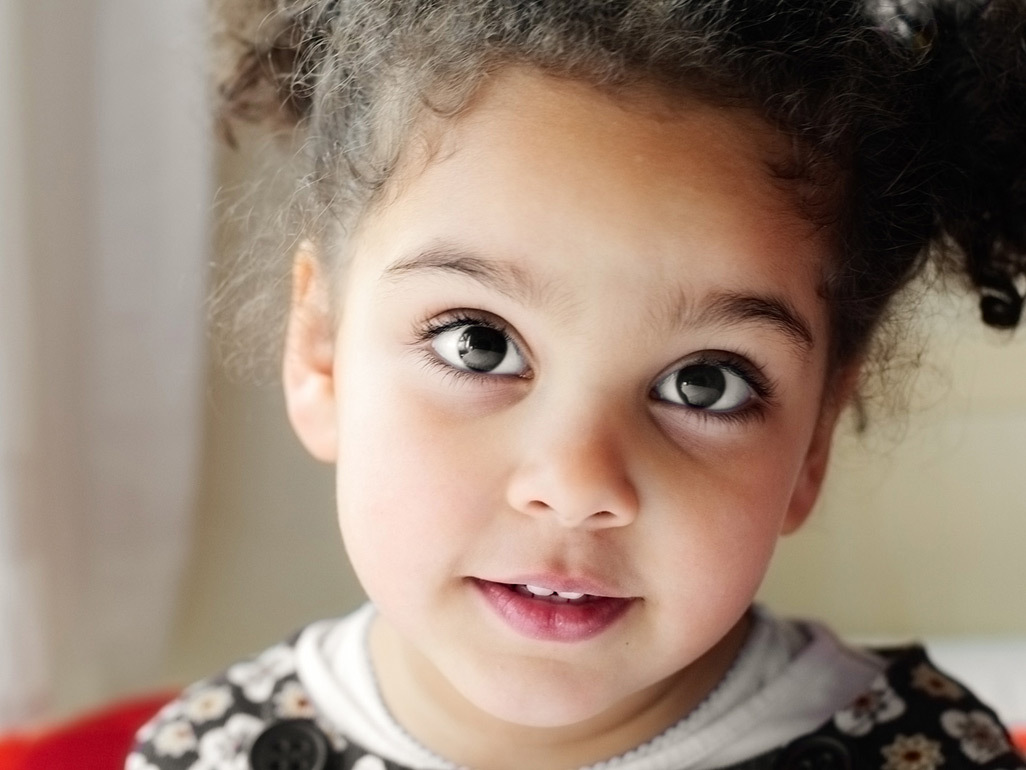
[[258, 715]]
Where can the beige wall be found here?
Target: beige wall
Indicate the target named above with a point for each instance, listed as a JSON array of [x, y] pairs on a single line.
[[925, 532], [922, 535]]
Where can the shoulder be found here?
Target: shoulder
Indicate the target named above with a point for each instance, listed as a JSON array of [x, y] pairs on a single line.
[[913, 716], [213, 723]]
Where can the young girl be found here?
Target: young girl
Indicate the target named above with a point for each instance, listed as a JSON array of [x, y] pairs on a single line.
[[585, 288]]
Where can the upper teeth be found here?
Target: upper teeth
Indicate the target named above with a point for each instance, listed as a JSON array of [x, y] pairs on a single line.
[[539, 591]]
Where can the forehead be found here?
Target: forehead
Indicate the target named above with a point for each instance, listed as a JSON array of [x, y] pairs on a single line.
[[556, 173], [669, 142]]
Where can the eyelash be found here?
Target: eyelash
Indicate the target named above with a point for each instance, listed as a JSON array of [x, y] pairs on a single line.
[[763, 388], [430, 328]]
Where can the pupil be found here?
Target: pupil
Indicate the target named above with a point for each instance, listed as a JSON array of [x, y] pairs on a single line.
[[701, 385], [481, 348]]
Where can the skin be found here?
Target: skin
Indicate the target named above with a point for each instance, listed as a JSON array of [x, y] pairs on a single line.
[[593, 231]]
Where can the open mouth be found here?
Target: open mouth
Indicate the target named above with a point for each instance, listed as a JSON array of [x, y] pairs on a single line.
[[550, 595], [543, 613]]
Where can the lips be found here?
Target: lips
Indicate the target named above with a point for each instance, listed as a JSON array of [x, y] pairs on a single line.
[[566, 614]]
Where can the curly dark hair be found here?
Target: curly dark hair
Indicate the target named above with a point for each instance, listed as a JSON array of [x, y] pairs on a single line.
[[907, 119]]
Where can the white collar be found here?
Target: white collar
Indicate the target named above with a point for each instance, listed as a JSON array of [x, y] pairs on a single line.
[[787, 680]]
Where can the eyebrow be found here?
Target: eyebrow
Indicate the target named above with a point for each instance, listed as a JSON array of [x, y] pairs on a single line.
[[719, 309], [504, 277], [729, 309]]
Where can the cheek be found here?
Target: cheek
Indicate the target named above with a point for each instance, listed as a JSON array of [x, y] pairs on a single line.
[[413, 489], [726, 517]]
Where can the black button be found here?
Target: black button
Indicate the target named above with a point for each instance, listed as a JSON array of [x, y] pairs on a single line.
[[816, 752], [295, 744]]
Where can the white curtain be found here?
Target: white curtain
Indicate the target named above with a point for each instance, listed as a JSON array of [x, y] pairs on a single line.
[[104, 199]]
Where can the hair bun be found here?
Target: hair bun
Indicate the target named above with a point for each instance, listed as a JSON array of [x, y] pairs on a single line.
[[269, 49], [973, 58]]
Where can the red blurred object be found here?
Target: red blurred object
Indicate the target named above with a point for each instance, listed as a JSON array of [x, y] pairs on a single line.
[[1019, 737], [98, 741]]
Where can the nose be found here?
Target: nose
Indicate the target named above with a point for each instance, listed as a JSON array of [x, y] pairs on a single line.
[[575, 472]]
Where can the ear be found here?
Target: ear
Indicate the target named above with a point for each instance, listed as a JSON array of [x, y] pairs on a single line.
[[308, 367], [810, 480]]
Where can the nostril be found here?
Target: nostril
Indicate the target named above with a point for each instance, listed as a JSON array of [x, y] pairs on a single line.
[[596, 519]]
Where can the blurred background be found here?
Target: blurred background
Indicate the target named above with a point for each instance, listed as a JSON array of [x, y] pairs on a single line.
[[158, 520]]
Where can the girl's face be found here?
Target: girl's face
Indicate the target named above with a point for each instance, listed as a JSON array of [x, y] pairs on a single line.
[[580, 349]]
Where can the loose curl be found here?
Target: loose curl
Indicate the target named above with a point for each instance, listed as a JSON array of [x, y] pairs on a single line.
[[907, 119]]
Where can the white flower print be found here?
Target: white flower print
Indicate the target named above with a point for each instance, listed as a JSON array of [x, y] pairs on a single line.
[[206, 705], [227, 748], [980, 735], [258, 677], [912, 752], [335, 738], [369, 762], [168, 712], [145, 733], [931, 681], [174, 739], [137, 761], [292, 702], [879, 704]]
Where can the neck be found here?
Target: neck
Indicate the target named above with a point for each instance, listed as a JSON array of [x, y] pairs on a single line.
[[424, 702]]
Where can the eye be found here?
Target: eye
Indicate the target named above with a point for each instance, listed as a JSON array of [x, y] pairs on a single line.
[[707, 386], [476, 347]]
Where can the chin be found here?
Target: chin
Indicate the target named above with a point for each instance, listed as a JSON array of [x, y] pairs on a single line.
[[539, 699]]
